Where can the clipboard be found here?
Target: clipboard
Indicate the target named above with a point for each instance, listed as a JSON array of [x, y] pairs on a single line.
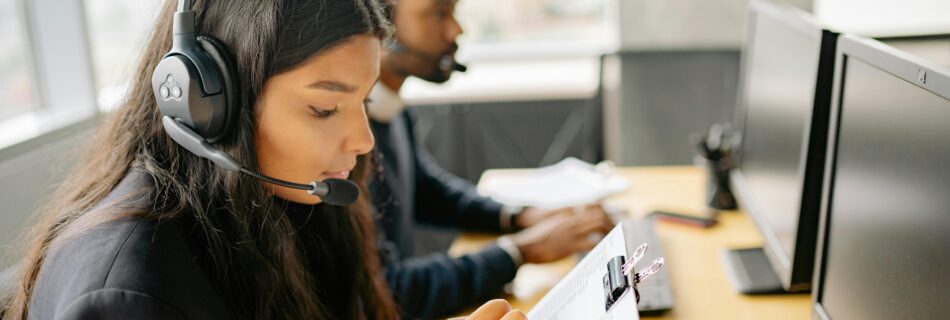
[[601, 286]]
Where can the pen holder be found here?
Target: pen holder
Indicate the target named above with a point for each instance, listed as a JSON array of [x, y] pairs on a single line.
[[716, 149], [718, 189]]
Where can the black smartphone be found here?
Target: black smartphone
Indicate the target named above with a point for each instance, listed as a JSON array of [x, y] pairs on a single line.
[[693, 220]]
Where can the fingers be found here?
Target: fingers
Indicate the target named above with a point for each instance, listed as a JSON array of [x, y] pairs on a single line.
[[575, 227], [589, 224], [606, 225], [491, 310], [584, 229], [595, 207], [514, 315], [598, 210], [566, 211], [593, 211], [576, 234], [583, 245]]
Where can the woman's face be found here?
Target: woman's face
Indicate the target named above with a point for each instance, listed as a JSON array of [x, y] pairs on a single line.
[[311, 120]]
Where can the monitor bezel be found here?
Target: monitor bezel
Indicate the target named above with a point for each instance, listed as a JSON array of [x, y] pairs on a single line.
[[794, 270], [892, 61]]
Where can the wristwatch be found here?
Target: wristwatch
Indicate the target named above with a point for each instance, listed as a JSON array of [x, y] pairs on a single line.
[[509, 215]]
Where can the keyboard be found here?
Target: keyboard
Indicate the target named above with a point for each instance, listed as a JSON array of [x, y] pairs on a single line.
[[655, 293]]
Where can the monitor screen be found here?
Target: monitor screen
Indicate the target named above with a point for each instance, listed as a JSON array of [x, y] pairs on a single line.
[[781, 77], [886, 247]]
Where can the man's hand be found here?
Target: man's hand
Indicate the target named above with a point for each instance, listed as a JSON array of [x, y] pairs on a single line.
[[559, 236], [532, 216]]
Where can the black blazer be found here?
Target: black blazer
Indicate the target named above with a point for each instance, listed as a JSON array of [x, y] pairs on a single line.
[[413, 188], [129, 268]]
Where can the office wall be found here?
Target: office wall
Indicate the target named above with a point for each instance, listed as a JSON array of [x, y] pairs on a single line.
[[657, 98], [685, 24], [677, 72], [469, 138]]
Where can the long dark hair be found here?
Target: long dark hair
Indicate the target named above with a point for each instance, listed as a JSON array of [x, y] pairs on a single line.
[[256, 259]]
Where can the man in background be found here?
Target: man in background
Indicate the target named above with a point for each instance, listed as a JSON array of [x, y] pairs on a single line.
[[410, 187]]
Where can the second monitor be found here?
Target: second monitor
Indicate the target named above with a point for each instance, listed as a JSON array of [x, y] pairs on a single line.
[[886, 215], [788, 66]]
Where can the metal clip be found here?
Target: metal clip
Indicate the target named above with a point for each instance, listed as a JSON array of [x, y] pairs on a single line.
[[637, 256], [646, 273], [619, 278], [615, 281]]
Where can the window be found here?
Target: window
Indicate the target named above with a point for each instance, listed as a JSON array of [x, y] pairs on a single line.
[[16, 84], [536, 26], [117, 33], [487, 21]]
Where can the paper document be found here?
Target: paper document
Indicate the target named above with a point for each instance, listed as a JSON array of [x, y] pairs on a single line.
[[580, 295], [570, 182]]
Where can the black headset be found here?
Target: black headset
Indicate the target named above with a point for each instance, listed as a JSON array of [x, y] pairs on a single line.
[[196, 90], [194, 83]]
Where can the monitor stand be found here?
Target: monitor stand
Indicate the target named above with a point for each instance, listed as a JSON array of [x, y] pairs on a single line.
[[750, 271]]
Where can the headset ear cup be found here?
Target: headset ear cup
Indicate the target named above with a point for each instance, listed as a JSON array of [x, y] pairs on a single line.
[[223, 59]]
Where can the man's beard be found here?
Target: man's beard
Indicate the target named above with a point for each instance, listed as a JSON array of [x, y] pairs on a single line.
[[424, 66], [436, 74]]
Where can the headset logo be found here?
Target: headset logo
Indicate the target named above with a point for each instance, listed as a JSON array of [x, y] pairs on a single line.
[[170, 89]]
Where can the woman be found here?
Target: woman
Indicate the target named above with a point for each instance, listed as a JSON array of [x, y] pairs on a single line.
[[146, 229]]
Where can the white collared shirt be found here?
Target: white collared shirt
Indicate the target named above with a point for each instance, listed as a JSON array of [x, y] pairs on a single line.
[[386, 104]]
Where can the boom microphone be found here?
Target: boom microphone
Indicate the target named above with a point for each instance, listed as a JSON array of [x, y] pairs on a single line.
[[449, 63], [338, 192], [446, 62]]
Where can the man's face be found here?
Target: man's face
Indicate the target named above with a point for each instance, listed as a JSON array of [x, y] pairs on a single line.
[[427, 30]]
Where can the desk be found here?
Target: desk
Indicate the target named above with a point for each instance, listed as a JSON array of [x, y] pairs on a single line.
[[700, 287]]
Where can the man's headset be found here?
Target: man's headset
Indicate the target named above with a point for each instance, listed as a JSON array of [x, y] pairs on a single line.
[[446, 62], [195, 85]]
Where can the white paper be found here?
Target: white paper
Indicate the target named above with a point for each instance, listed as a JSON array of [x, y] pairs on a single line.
[[568, 183], [580, 295]]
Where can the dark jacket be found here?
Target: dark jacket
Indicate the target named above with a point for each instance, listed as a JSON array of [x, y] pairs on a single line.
[[128, 268], [139, 268], [413, 188]]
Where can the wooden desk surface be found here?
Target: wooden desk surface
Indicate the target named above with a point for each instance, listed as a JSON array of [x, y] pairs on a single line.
[[701, 289]]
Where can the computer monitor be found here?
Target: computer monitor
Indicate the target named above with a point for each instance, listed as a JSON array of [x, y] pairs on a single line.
[[931, 47], [788, 65], [884, 247]]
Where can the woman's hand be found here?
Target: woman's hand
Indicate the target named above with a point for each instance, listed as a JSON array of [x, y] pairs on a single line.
[[496, 310]]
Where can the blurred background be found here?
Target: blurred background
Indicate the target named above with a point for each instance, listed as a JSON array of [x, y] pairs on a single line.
[[622, 80]]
